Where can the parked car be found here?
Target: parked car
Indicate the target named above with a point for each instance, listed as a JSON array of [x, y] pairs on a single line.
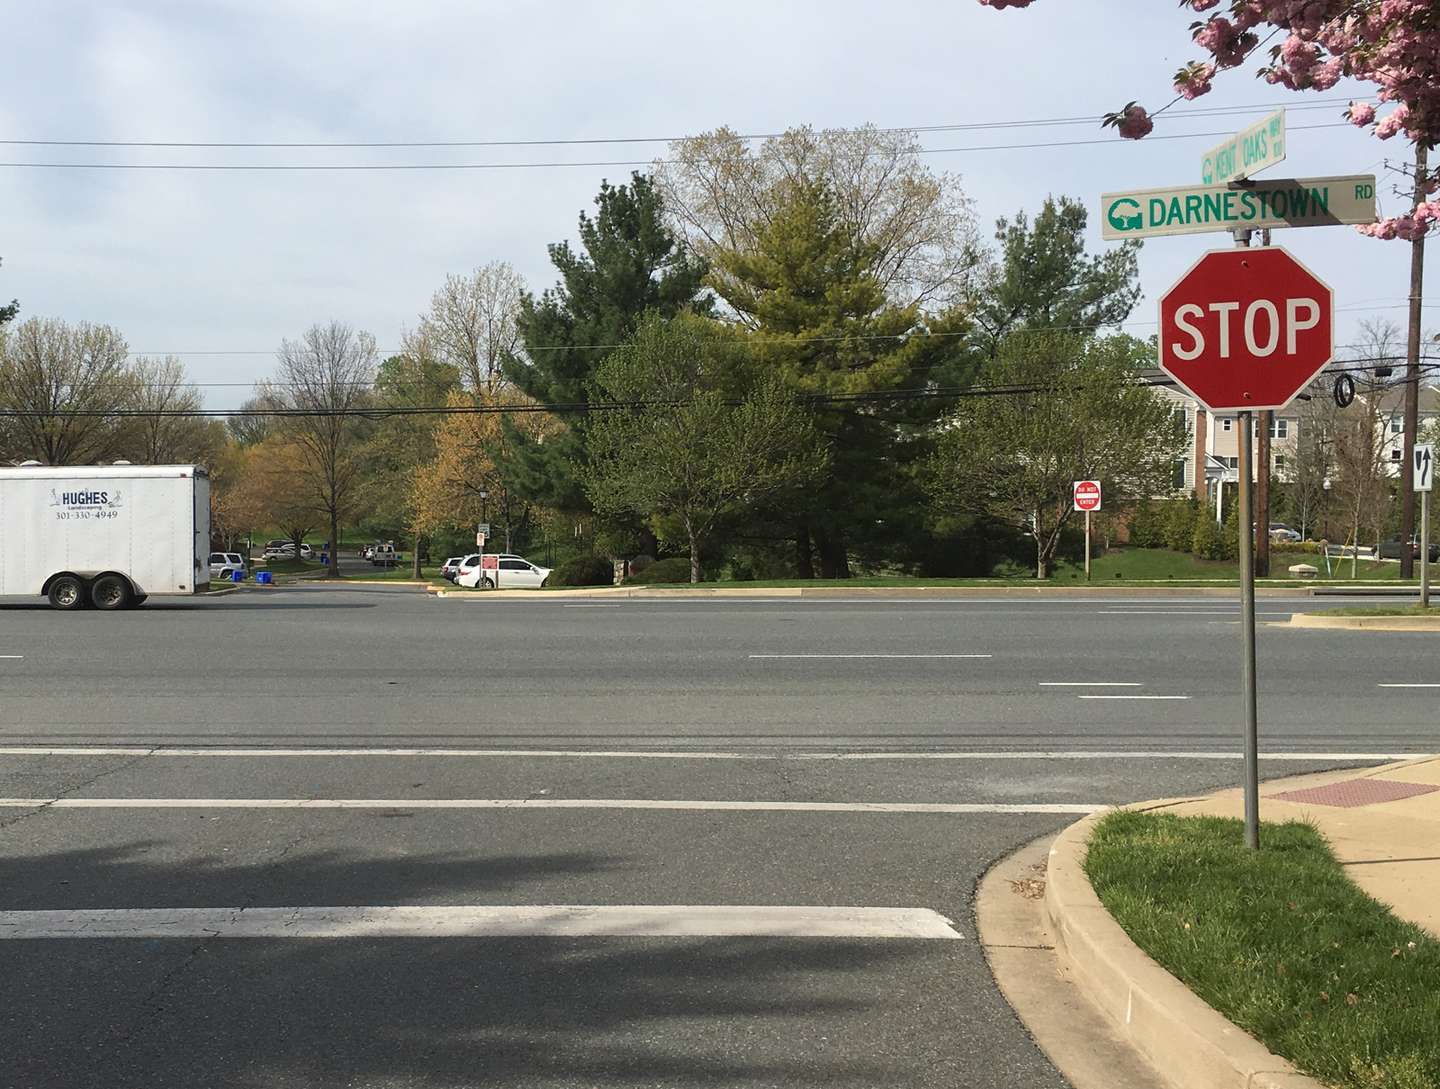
[[1279, 531], [281, 550], [451, 567], [1394, 550], [224, 564], [384, 555], [514, 573]]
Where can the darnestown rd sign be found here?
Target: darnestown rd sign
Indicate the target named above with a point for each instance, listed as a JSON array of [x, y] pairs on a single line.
[[1246, 153], [1280, 202]]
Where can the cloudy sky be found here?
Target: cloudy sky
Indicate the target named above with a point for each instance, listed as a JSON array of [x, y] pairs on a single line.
[[219, 266]]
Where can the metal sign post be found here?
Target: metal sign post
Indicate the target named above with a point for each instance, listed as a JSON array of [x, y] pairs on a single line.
[[1086, 495], [1423, 480]]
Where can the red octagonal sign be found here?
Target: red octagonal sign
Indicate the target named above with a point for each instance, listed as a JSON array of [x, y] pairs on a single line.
[[1246, 329]]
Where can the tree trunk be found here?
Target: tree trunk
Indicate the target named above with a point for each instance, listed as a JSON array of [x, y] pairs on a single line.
[[804, 558], [415, 561], [1042, 566], [834, 562], [334, 545], [694, 553]]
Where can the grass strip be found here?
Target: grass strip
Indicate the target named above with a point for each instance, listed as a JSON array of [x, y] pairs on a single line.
[[1279, 941], [1382, 610]]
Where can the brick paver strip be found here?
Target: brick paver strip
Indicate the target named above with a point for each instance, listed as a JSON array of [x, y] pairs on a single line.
[[1356, 792]]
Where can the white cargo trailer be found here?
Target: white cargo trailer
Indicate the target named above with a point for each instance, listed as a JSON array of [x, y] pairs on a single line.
[[104, 535]]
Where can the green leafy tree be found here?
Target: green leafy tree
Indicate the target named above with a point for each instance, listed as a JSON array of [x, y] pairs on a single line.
[[822, 323], [401, 444], [710, 443], [1077, 413], [628, 262], [1044, 280], [1207, 540]]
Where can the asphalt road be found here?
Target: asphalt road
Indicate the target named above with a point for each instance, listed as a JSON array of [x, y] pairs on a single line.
[[810, 772]]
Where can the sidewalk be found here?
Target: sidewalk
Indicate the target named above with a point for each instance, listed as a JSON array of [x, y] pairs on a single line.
[[1383, 824]]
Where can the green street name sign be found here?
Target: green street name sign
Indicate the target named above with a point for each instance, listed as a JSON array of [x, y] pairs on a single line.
[[1247, 152], [1279, 202]]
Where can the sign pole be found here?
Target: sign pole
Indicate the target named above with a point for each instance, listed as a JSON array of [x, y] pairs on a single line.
[[1424, 550], [1087, 546], [1247, 629], [1245, 517]]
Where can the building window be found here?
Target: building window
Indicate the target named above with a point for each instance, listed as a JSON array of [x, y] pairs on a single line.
[[1279, 462], [1394, 455], [1396, 426], [1279, 429], [1226, 424]]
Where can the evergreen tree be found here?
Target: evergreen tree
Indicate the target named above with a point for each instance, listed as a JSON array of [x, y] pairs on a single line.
[[7, 313], [822, 323], [1045, 281], [629, 262]]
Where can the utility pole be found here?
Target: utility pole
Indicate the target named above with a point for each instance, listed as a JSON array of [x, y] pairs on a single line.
[[1412, 371]]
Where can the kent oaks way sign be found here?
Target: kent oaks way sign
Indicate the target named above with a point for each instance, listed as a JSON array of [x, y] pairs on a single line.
[[1246, 329]]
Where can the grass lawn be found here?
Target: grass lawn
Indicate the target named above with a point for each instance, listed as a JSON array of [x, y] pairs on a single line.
[[1280, 941]]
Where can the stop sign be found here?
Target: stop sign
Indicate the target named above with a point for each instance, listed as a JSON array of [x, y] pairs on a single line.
[[1246, 329], [1087, 495]]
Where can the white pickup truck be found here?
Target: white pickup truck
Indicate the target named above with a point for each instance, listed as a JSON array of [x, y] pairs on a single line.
[[106, 536]]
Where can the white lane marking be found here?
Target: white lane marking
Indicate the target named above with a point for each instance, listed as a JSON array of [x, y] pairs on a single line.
[[550, 803], [1416, 684], [1132, 697], [12, 657], [1091, 684], [595, 605], [1157, 754], [612, 754], [871, 655], [579, 920], [1181, 612]]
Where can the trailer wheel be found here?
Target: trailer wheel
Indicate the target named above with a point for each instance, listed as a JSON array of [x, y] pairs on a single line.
[[66, 593], [110, 592]]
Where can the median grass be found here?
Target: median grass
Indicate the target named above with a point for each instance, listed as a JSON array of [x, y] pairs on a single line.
[[1279, 941]]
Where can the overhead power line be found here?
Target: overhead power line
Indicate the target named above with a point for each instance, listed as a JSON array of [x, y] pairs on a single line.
[[959, 126], [563, 408], [292, 168]]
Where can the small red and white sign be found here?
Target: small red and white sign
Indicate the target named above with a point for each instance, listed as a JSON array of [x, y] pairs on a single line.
[[489, 563], [1087, 495]]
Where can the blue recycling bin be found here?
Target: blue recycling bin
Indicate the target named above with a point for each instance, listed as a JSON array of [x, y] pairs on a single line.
[[264, 578], [237, 576]]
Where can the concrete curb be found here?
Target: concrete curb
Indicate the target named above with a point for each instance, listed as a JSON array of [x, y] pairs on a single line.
[[1159, 1016], [918, 593], [1366, 623]]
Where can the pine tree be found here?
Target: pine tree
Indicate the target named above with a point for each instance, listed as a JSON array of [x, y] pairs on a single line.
[[821, 322], [629, 263]]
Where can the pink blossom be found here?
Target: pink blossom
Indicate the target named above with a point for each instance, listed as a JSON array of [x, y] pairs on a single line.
[[1134, 123], [1193, 80], [1360, 113], [1391, 123]]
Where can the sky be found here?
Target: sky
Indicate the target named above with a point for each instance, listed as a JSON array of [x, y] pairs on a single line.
[[218, 267]]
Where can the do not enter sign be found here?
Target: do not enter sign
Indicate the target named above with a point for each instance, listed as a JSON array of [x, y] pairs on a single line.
[[1087, 495], [1246, 329]]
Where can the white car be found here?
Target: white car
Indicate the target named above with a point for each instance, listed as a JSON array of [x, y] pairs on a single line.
[[286, 550], [515, 573], [224, 564]]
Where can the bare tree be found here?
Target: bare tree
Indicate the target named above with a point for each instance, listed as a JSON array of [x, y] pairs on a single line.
[[163, 435], [471, 323], [1360, 484], [722, 191], [324, 378], [63, 382], [1314, 463]]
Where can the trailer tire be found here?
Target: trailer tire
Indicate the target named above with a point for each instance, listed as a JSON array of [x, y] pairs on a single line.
[[110, 593], [66, 593]]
